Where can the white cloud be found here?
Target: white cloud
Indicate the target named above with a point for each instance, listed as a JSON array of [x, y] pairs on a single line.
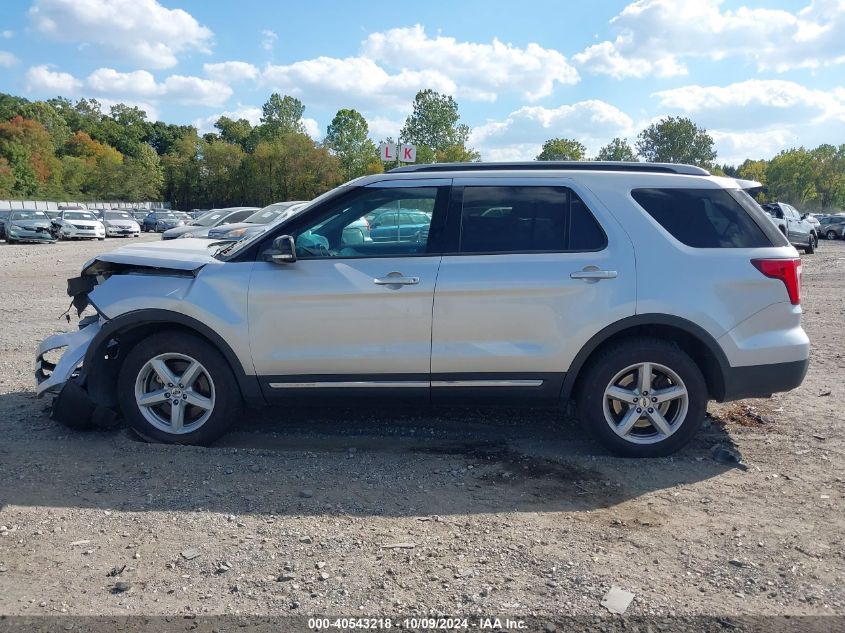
[[754, 104], [521, 134], [230, 71], [312, 128], [141, 84], [734, 147], [193, 90], [352, 82], [268, 39], [42, 79], [150, 110], [7, 34], [141, 31], [7, 60], [654, 36], [110, 81], [479, 71], [381, 127]]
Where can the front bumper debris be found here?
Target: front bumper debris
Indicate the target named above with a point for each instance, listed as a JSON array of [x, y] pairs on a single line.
[[50, 377]]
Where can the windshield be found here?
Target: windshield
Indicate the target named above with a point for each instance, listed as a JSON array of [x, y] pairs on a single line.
[[230, 250], [209, 219], [268, 214], [28, 214], [117, 215], [79, 215]]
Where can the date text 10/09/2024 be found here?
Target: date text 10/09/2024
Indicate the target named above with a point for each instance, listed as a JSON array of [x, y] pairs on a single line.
[[417, 624]]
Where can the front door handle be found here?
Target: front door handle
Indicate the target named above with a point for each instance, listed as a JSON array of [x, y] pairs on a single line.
[[396, 279], [593, 273]]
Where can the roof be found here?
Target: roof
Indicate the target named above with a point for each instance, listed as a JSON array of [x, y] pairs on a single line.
[[555, 165]]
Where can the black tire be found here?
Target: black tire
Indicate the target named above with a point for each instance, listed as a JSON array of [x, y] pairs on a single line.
[[227, 399], [102, 239], [831, 235], [609, 362], [9, 240], [810, 248]]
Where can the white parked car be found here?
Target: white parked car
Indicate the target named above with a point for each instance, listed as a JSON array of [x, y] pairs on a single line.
[[73, 224], [120, 224]]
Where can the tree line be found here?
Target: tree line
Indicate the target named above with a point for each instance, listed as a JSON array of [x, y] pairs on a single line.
[[59, 149]]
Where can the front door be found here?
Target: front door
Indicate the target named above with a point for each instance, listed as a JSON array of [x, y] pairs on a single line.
[[533, 276], [352, 314]]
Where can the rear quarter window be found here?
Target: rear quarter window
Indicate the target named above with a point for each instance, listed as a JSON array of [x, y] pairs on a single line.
[[704, 218]]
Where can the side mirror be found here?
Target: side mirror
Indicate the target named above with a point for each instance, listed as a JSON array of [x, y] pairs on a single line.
[[284, 250]]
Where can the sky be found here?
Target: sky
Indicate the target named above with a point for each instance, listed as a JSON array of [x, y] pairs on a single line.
[[760, 75]]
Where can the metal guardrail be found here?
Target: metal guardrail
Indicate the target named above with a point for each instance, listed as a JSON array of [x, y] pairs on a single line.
[[6, 205]]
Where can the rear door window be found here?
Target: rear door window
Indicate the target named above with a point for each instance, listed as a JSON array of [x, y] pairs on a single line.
[[525, 219], [703, 218]]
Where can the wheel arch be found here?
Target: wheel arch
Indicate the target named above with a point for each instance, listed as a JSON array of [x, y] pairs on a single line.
[[114, 340], [692, 338]]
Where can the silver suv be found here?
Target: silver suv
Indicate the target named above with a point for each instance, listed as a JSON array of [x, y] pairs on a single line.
[[641, 291]]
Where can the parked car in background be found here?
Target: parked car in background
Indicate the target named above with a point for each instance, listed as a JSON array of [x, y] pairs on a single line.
[[26, 225], [794, 225], [402, 225], [257, 222], [74, 224], [215, 217], [138, 215], [160, 221], [120, 223], [196, 213], [832, 227]]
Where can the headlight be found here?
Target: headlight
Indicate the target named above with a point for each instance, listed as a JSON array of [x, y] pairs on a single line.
[[184, 235], [15, 227], [235, 233]]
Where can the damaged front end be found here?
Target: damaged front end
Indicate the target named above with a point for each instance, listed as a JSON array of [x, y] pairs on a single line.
[[78, 367]]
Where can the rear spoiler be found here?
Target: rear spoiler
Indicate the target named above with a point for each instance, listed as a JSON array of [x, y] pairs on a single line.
[[751, 186]]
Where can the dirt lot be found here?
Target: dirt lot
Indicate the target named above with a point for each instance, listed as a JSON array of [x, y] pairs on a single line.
[[368, 512]]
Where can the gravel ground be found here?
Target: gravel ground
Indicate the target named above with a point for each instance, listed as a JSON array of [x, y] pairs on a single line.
[[386, 512]]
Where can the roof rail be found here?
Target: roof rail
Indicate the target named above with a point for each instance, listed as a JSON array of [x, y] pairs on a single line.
[[560, 165]]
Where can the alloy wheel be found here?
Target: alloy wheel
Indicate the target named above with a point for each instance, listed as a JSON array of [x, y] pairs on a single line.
[[174, 393], [645, 403]]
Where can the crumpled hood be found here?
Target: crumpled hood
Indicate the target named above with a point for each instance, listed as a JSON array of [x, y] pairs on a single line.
[[186, 255], [32, 225]]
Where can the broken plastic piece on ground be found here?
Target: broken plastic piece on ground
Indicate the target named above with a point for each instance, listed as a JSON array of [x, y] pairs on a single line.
[[726, 455], [617, 600]]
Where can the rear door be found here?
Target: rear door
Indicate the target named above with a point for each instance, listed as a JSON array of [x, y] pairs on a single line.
[[533, 269]]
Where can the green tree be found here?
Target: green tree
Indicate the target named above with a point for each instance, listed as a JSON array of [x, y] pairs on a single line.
[[7, 178], [791, 177], [347, 138], [237, 132], [142, 175], [562, 149], [222, 172], [434, 127], [30, 155], [617, 149], [182, 166], [829, 171], [676, 140], [163, 136], [282, 115]]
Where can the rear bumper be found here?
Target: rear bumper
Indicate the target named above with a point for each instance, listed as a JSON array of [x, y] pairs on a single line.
[[761, 381]]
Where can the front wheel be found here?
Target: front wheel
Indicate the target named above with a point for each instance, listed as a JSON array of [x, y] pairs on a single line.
[[643, 398], [810, 248], [831, 235], [176, 388]]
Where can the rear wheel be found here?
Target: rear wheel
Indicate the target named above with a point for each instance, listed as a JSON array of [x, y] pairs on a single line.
[[831, 235], [177, 388], [643, 398]]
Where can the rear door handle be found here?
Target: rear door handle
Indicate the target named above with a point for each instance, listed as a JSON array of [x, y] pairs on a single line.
[[396, 279], [594, 274]]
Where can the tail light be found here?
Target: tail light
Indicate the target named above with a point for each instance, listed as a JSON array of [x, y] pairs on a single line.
[[787, 270]]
